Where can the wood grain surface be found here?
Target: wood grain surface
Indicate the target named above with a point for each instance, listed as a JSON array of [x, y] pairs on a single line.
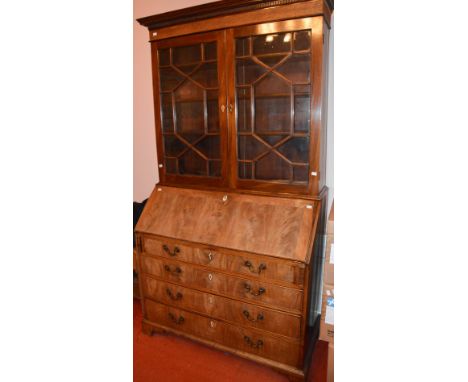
[[248, 340], [263, 225], [249, 264], [223, 308], [258, 292]]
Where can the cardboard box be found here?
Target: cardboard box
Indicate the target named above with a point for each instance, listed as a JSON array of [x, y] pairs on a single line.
[[329, 266], [330, 368], [328, 274], [327, 319]]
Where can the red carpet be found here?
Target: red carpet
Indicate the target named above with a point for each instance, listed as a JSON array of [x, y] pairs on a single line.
[[164, 358]]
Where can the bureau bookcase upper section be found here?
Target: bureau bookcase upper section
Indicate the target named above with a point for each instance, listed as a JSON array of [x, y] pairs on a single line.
[[241, 105]]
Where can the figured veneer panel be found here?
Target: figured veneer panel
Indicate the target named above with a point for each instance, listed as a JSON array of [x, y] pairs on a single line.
[[277, 227], [248, 340], [256, 266], [257, 292], [222, 308]]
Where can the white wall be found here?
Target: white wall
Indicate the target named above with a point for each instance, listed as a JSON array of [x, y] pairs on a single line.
[[145, 174]]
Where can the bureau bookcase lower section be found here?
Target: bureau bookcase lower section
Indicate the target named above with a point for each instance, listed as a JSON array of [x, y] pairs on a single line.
[[256, 305]]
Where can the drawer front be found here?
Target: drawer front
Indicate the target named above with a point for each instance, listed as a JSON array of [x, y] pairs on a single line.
[[257, 292], [247, 340], [253, 265], [222, 308]]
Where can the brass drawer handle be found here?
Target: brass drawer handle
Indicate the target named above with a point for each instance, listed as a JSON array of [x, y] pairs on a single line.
[[247, 316], [248, 289], [249, 265], [175, 272], [178, 296], [252, 344], [168, 251], [177, 321]]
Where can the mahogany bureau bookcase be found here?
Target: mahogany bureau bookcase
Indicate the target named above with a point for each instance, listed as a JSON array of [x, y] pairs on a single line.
[[230, 243]]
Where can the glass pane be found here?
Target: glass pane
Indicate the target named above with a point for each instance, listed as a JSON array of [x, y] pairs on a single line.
[[245, 170], [296, 68], [296, 149], [169, 79], [273, 139], [166, 110], [272, 60], [193, 164], [302, 112], [278, 147], [272, 167], [301, 173], [242, 47], [185, 55], [190, 111], [210, 51], [272, 104], [272, 114], [210, 147], [207, 75], [187, 69], [164, 56], [171, 165], [173, 146], [302, 40], [212, 110], [244, 116], [249, 147], [247, 71], [272, 85], [215, 168], [272, 43]]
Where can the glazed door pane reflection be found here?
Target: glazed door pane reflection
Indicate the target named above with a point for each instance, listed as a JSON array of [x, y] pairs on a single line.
[[273, 83], [189, 94]]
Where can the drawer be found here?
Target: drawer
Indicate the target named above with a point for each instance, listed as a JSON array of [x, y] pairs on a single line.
[[257, 292], [222, 308], [249, 264], [247, 340]]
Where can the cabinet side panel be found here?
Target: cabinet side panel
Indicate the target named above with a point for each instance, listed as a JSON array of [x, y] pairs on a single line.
[[316, 105], [324, 127], [316, 264]]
